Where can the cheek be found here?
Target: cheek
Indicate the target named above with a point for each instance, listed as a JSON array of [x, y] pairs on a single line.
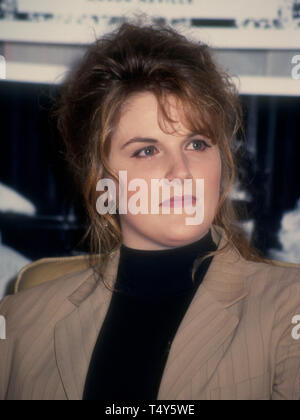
[[211, 171], [215, 176]]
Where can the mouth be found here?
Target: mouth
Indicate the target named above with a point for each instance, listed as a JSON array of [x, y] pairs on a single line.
[[179, 201]]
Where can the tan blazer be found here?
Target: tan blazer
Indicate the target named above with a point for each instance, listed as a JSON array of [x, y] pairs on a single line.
[[236, 340]]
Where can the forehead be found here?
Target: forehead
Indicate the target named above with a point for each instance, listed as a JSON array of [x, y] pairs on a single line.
[[141, 112]]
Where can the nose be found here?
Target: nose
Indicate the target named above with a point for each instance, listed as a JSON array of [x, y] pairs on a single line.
[[178, 168]]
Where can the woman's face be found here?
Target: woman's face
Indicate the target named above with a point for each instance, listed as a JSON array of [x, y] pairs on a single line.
[[168, 157]]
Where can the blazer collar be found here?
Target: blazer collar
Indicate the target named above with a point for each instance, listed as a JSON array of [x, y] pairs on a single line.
[[227, 288], [207, 327]]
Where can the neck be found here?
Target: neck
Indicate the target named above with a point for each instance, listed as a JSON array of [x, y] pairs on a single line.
[[158, 273]]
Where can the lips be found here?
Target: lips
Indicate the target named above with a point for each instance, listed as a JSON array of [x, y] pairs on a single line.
[[179, 201]]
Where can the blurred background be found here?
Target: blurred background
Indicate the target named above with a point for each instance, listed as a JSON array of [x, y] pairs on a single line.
[[256, 42]]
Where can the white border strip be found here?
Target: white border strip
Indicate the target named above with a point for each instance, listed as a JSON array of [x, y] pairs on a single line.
[[259, 85], [247, 85], [35, 73], [253, 39], [75, 34]]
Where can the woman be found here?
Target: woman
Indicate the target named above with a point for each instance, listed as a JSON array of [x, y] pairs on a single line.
[[171, 310]]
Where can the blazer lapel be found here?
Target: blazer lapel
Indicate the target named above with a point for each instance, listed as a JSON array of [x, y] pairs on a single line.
[[76, 334], [203, 335], [207, 328]]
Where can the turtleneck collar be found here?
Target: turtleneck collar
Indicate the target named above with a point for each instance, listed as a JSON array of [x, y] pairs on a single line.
[[155, 274]]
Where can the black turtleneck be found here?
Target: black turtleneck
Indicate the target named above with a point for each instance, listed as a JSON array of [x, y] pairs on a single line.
[[154, 290]]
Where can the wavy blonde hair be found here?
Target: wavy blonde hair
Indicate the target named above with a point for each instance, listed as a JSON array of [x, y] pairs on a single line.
[[153, 58]]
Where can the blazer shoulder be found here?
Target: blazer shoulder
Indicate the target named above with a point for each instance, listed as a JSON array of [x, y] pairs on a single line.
[[276, 285], [283, 274], [275, 272], [34, 301]]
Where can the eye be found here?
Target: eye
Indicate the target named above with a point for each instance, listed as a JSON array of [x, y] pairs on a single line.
[[147, 149], [201, 145]]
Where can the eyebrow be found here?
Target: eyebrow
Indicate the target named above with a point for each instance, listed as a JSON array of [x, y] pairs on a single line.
[[150, 140]]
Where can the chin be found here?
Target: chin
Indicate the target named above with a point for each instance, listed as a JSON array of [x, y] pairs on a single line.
[[165, 233], [180, 235]]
